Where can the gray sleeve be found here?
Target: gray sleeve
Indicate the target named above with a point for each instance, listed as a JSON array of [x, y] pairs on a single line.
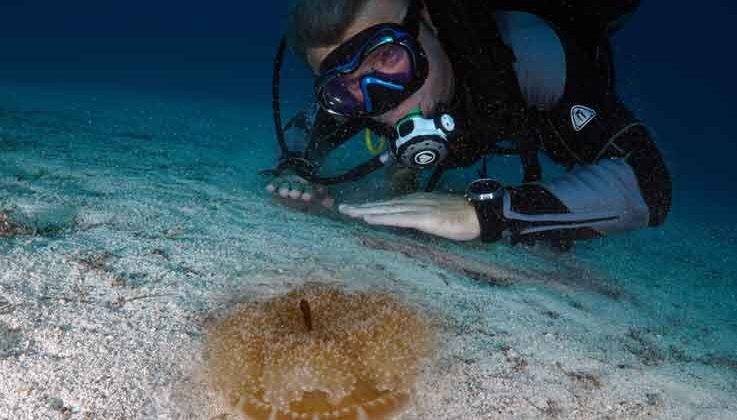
[[603, 196], [541, 58]]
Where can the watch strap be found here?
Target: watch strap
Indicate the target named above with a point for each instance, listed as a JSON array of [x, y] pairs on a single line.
[[491, 218]]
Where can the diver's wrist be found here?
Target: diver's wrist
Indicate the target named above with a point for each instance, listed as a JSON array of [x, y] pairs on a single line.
[[491, 220], [487, 197]]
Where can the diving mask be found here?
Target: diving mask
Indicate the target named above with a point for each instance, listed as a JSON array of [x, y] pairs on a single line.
[[370, 74], [374, 71]]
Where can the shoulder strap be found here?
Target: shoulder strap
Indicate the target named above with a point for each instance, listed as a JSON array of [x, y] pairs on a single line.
[[588, 21], [488, 97]]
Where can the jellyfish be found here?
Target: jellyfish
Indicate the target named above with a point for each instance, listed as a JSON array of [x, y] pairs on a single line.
[[318, 353]]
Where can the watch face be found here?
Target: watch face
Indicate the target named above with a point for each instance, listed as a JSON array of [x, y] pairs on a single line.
[[483, 190]]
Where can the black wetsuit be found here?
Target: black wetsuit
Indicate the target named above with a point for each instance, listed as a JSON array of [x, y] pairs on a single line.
[[549, 89]]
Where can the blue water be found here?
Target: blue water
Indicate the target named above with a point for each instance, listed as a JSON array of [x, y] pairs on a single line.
[[677, 71], [119, 116], [675, 63]]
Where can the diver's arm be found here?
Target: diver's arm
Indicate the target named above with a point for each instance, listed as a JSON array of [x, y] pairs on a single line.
[[296, 164], [621, 184], [610, 195], [588, 202], [310, 136], [618, 180]]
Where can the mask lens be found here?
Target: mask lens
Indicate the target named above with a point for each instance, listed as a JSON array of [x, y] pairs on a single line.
[[376, 86], [390, 60], [342, 96]]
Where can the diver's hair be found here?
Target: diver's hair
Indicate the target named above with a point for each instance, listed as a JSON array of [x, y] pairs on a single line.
[[319, 23]]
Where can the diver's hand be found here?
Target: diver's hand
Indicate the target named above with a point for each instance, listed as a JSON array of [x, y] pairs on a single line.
[[447, 216], [294, 187]]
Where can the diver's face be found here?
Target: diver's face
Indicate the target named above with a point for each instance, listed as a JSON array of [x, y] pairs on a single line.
[[438, 88]]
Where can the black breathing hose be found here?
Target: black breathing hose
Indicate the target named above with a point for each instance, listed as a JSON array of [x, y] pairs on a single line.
[[275, 98]]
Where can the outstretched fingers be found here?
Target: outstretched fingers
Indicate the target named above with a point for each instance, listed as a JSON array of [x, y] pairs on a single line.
[[296, 188]]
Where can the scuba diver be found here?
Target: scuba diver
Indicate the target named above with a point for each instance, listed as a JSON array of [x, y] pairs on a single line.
[[451, 82]]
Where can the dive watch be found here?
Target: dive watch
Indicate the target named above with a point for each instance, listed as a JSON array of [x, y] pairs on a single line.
[[487, 197]]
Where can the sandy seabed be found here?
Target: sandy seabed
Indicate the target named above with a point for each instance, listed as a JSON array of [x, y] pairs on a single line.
[[138, 218]]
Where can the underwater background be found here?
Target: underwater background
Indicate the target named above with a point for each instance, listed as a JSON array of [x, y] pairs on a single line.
[[131, 134], [675, 64]]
